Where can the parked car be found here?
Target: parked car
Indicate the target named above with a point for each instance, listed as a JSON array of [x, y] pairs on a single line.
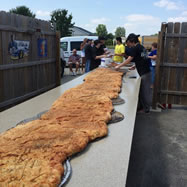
[[69, 43]]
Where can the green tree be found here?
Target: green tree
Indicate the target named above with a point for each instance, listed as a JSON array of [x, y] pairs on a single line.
[[110, 36], [101, 30], [63, 21], [109, 42], [22, 10], [120, 32], [156, 34]]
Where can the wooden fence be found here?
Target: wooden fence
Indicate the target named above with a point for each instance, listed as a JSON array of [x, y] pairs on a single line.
[[29, 58], [171, 70]]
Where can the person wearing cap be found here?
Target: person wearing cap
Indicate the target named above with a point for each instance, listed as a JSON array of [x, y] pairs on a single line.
[[119, 51], [96, 56], [139, 55]]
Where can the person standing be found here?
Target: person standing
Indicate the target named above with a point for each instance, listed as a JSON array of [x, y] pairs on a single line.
[[82, 48], [88, 55], [139, 56], [96, 56], [102, 49], [92, 43], [119, 51], [127, 49], [153, 56]]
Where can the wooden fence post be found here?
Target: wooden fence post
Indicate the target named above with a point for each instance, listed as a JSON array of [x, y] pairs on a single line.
[[58, 67], [1, 72], [160, 55]]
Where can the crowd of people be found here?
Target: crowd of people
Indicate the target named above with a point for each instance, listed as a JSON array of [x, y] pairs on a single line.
[[93, 51]]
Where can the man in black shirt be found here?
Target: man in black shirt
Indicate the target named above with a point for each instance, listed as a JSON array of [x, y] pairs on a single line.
[[96, 56], [88, 55], [139, 56], [102, 48]]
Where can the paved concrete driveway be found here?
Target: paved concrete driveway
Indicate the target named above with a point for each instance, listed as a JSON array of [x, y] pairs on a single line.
[[159, 150]]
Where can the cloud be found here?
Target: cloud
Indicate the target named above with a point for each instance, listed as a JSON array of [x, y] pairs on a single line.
[[91, 26], [171, 5], [143, 24], [184, 13], [180, 18], [140, 18], [100, 20], [40, 13], [177, 19], [168, 5]]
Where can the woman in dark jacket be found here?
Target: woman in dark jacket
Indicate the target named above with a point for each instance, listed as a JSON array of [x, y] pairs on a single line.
[[138, 55]]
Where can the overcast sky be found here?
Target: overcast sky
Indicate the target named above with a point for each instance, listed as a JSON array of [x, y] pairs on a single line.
[[141, 17]]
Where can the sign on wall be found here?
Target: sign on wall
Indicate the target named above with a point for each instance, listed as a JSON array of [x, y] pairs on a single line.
[[18, 49], [42, 47]]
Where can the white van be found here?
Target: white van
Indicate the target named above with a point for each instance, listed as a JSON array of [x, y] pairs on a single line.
[[69, 43]]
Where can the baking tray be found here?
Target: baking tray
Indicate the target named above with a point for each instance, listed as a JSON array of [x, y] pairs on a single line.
[[67, 173], [118, 101]]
